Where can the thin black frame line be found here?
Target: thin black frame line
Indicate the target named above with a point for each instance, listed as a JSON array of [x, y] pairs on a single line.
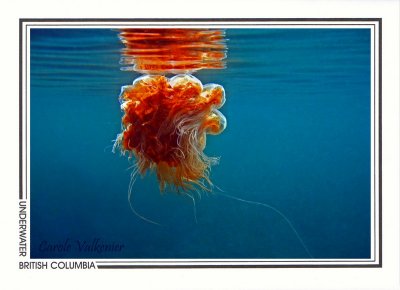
[[194, 25], [374, 56], [247, 262], [194, 19], [232, 261], [374, 145], [160, 261], [26, 111], [21, 190], [227, 266], [379, 20], [380, 142]]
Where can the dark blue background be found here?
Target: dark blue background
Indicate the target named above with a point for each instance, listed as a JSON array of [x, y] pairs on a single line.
[[298, 139]]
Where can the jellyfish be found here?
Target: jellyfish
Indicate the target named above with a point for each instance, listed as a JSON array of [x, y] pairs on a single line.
[[166, 119], [165, 124]]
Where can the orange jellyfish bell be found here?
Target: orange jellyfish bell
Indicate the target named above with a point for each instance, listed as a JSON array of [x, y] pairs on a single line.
[[165, 126], [166, 120]]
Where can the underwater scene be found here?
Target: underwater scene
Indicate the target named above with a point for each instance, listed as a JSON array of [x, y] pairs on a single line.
[[244, 143]]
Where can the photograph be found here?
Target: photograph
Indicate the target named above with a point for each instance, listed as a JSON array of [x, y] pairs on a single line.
[[200, 143]]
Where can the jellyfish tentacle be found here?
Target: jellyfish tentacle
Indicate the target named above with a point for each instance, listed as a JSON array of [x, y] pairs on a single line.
[[130, 200], [194, 206], [282, 215]]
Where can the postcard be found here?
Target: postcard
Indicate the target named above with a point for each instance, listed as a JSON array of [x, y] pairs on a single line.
[[242, 144]]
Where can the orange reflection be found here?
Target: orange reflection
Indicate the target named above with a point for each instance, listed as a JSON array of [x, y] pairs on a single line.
[[173, 50]]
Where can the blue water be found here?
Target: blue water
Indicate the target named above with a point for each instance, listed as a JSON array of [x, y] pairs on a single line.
[[298, 139]]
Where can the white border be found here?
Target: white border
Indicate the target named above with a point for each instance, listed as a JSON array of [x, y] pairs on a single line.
[[156, 263]]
